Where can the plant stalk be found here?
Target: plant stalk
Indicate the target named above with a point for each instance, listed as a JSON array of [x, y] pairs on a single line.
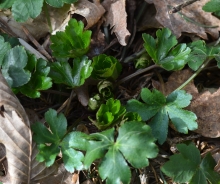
[[195, 74]]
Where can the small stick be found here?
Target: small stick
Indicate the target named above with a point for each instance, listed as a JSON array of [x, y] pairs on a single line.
[[35, 42], [180, 6]]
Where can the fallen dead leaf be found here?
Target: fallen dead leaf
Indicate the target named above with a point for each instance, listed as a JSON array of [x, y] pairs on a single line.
[[91, 11], [206, 107], [16, 136], [117, 18], [178, 24]]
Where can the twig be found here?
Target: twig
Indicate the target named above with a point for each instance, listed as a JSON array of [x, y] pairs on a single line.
[[137, 73], [34, 41], [180, 6]]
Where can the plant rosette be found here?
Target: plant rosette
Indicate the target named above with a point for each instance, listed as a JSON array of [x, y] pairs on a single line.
[[105, 67], [109, 114]]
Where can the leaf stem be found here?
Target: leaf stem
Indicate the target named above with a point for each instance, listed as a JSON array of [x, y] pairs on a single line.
[[195, 74]]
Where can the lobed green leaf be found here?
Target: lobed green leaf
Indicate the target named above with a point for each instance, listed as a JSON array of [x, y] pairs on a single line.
[[13, 66], [157, 109], [61, 72], [23, 10], [163, 52], [73, 42], [190, 169]]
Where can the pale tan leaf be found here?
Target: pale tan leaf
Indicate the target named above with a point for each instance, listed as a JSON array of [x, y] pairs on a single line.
[[206, 107], [117, 18], [178, 24], [91, 11], [62, 176], [15, 134]]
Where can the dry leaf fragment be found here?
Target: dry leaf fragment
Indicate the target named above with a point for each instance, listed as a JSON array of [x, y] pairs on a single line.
[[117, 18], [91, 11], [206, 107], [178, 24], [16, 136]]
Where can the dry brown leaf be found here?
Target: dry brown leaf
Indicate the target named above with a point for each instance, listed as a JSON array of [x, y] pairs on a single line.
[[91, 11], [178, 24], [62, 176], [206, 107], [16, 136], [117, 18]]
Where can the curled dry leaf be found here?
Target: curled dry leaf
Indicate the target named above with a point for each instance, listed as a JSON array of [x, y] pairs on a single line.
[[117, 18], [204, 105], [91, 11], [177, 22], [15, 134]]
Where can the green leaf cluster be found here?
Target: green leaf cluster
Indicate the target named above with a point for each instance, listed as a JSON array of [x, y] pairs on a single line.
[[23, 10], [109, 114], [62, 72], [39, 77], [23, 71], [188, 167], [105, 67], [200, 52], [134, 143], [52, 141], [73, 42], [164, 50], [159, 109]]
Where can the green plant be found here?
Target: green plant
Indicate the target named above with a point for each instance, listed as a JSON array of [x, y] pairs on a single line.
[[134, 143], [160, 109], [191, 168], [105, 67], [200, 53], [23, 71], [163, 52], [59, 140], [39, 77], [212, 6], [23, 10], [62, 72], [108, 114], [73, 42]]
